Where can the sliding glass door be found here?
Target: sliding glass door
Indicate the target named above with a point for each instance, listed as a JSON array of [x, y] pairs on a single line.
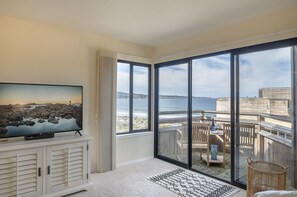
[[264, 110], [213, 112], [211, 101], [173, 112]]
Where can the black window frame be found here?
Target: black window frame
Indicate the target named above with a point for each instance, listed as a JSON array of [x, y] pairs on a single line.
[[131, 75], [234, 96]]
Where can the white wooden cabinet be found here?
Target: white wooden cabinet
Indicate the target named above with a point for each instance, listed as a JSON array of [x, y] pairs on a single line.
[[49, 167]]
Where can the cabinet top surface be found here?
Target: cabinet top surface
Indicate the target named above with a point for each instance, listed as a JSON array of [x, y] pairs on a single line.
[[60, 138]]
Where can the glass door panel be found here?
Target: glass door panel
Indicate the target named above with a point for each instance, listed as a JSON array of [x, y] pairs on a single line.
[[263, 130], [211, 100], [173, 112]]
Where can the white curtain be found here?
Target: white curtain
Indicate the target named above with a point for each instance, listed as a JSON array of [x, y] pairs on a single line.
[[106, 109]]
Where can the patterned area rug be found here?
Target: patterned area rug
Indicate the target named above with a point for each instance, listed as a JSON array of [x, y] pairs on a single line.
[[191, 184]]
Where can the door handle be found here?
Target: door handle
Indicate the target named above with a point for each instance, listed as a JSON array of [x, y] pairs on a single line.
[[48, 170], [39, 171]]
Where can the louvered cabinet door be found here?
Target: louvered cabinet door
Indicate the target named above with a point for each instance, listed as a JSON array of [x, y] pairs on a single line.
[[67, 166], [77, 164], [20, 173]]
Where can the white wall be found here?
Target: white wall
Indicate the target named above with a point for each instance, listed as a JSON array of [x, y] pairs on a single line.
[[34, 52], [267, 28], [134, 147]]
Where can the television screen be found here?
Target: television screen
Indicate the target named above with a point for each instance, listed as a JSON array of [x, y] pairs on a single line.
[[34, 109]]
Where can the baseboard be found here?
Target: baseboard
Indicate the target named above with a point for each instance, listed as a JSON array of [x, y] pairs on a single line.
[[134, 161], [71, 190]]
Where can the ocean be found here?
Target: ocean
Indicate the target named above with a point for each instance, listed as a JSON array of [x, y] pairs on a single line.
[[176, 104]]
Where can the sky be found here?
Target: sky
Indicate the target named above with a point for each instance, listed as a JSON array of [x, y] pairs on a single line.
[[140, 78], [211, 75], [123, 73], [173, 80], [23, 94], [271, 68]]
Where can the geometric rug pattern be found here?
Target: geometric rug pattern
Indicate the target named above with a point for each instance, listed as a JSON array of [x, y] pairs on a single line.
[[191, 184]]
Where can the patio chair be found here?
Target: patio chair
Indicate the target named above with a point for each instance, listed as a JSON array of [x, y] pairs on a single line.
[[200, 139], [246, 137]]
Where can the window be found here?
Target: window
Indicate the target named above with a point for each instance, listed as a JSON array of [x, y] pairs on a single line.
[[210, 99], [214, 111], [265, 88], [133, 97], [173, 110]]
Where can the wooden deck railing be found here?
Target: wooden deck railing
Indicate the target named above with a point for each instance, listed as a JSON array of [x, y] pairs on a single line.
[[276, 132]]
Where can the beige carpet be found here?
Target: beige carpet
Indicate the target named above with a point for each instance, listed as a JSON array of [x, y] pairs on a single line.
[[131, 180]]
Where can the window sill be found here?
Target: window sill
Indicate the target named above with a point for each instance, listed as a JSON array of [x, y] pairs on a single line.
[[136, 134]]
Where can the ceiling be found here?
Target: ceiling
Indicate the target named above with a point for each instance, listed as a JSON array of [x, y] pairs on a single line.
[[147, 22]]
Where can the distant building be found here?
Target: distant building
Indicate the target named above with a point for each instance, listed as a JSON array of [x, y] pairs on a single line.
[[271, 100], [275, 93]]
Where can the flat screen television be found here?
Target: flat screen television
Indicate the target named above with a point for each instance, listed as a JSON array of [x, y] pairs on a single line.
[[39, 109]]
